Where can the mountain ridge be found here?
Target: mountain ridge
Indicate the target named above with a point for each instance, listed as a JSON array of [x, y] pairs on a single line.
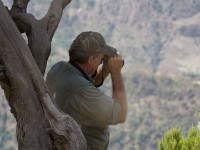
[[159, 41]]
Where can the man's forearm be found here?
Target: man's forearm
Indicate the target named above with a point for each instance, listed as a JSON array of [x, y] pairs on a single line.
[[119, 94]]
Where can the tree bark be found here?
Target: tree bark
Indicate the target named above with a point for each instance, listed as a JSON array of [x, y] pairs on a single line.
[[39, 32], [40, 125]]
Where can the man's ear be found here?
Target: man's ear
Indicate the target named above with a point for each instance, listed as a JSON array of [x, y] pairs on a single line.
[[90, 60]]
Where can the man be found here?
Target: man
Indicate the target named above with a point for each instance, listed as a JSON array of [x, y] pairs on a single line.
[[74, 85]]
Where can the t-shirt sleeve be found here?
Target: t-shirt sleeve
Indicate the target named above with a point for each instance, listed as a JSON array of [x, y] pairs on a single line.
[[98, 106]]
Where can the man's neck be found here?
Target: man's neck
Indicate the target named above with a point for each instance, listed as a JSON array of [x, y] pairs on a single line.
[[84, 67]]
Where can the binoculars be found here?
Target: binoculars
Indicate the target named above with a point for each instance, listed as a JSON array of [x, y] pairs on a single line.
[[110, 52]]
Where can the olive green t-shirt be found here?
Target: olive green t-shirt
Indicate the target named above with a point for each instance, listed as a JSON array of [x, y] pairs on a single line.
[[91, 108]]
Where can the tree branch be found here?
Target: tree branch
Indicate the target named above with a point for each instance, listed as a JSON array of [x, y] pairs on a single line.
[[54, 15], [30, 100], [40, 32], [2, 73], [19, 6]]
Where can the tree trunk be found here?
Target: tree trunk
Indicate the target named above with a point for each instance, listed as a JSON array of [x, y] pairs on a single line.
[[40, 125]]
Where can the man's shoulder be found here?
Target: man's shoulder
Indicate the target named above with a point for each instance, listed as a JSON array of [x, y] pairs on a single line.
[[62, 68], [58, 66], [68, 76], [58, 72]]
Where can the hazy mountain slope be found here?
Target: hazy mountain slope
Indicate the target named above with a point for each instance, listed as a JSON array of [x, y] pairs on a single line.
[[160, 42], [147, 33]]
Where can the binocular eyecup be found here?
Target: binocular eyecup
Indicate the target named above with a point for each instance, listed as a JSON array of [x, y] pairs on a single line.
[[110, 52]]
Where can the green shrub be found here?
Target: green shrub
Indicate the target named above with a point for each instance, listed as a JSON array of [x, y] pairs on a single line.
[[173, 140]]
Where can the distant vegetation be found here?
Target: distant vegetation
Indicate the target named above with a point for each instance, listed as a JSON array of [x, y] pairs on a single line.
[[159, 41], [156, 105], [7, 127]]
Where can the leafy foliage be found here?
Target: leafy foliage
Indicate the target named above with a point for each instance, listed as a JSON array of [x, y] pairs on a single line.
[[173, 140]]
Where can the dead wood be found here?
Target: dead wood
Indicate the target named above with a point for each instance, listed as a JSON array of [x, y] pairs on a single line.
[[40, 125]]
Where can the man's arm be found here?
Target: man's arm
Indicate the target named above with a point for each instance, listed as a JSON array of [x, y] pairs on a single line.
[[119, 93]]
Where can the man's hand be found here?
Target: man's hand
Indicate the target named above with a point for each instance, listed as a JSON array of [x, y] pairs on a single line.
[[115, 63]]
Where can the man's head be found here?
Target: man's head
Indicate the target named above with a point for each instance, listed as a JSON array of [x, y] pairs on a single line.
[[90, 49], [85, 45]]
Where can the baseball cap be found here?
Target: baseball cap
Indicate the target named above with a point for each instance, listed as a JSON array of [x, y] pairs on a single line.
[[91, 42], [100, 41]]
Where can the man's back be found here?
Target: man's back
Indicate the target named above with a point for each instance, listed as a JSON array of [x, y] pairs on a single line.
[[78, 97]]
